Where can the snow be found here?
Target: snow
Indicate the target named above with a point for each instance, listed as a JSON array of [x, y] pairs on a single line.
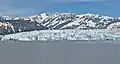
[[6, 17], [114, 25]]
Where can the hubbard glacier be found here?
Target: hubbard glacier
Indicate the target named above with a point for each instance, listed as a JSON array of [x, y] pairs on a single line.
[[60, 26]]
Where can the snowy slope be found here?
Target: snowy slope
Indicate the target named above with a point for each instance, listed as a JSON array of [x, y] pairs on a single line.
[[74, 21]]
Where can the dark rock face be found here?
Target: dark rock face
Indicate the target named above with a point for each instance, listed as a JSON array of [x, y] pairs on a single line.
[[20, 26]]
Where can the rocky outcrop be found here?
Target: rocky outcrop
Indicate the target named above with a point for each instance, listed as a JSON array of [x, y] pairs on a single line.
[[15, 26]]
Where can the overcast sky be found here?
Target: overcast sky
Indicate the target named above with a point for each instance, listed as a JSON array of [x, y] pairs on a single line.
[[31, 7]]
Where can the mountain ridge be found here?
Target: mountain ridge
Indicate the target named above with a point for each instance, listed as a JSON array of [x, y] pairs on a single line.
[[57, 21]]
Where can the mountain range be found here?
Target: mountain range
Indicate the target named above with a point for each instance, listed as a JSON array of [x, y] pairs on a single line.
[[57, 21]]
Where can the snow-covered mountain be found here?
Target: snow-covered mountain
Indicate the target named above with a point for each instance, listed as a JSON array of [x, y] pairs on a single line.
[[73, 21], [57, 21]]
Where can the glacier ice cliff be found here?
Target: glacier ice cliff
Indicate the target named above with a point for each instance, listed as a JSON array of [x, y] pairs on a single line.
[[50, 35]]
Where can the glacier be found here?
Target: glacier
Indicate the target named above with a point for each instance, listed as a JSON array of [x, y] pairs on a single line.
[[51, 35], [60, 26]]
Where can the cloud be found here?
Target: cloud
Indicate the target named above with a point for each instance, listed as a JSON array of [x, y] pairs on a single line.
[[14, 12], [11, 11], [7, 9], [80, 0]]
